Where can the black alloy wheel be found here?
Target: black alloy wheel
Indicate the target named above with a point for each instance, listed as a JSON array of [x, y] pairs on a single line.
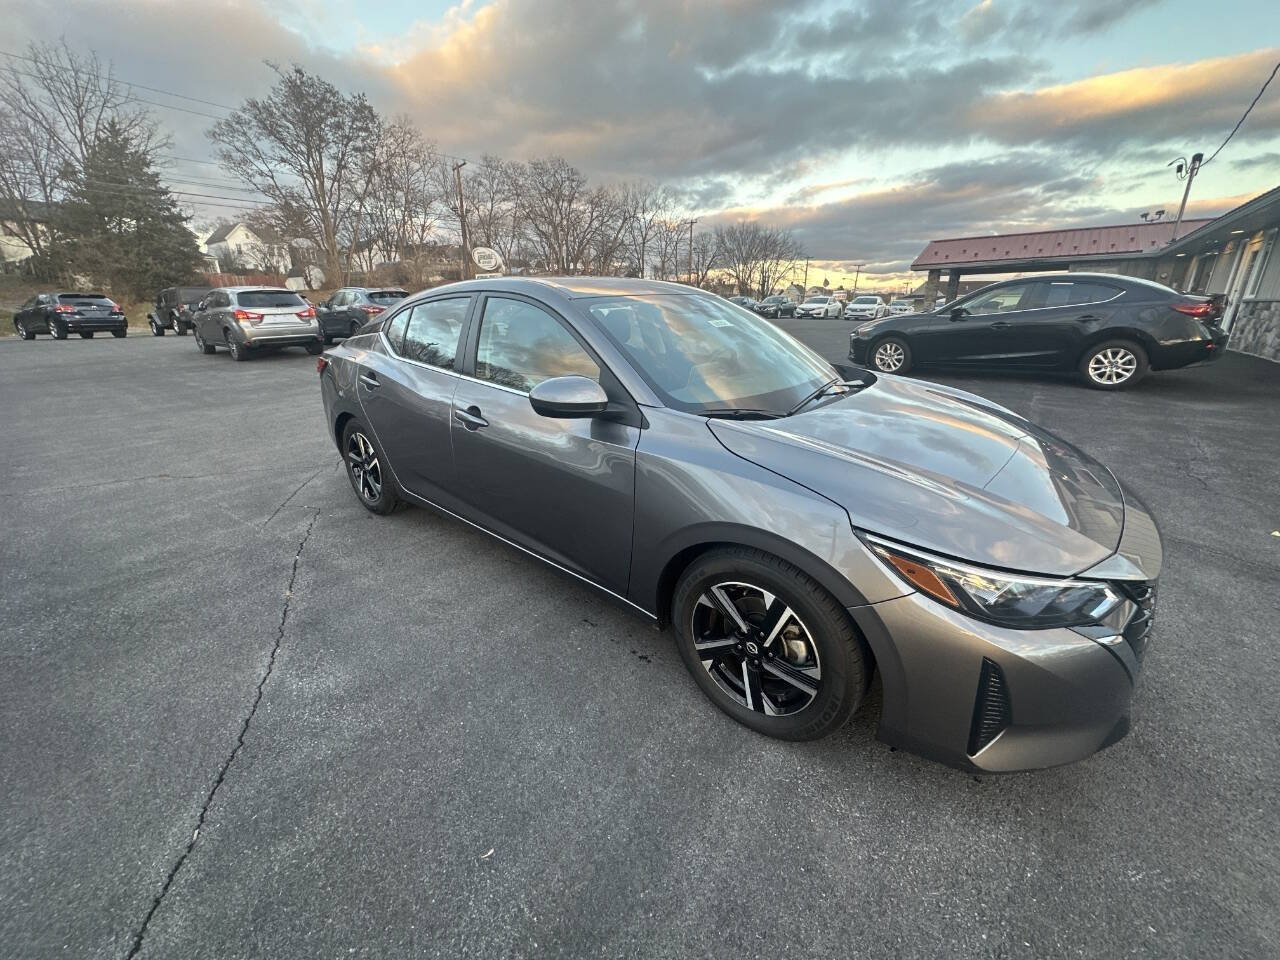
[[21, 328], [57, 330], [118, 334], [156, 329], [769, 645], [365, 469]]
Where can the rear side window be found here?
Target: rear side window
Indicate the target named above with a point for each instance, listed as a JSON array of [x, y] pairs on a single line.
[[433, 331], [265, 299], [520, 346], [1067, 292]]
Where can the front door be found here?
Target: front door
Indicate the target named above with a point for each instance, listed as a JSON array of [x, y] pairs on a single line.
[[563, 488], [972, 330], [406, 394]]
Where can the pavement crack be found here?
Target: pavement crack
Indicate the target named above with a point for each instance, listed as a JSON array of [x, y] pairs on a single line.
[[285, 501], [239, 744]]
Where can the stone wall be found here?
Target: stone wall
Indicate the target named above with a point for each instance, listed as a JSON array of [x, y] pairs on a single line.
[[1256, 328]]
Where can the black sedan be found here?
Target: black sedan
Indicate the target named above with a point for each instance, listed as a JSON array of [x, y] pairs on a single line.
[[59, 314], [1111, 329], [776, 307], [351, 308]]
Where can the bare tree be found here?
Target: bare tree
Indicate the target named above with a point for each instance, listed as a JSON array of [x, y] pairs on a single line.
[[55, 107], [755, 256], [647, 206], [491, 191], [307, 147], [564, 215], [401, 204], [706, 257]]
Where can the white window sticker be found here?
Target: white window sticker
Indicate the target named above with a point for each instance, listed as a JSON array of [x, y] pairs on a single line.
[[719, 322]]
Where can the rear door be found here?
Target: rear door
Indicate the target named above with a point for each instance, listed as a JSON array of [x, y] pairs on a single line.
[[564, 488], [281, 310], [406, 393], [1053, 332]]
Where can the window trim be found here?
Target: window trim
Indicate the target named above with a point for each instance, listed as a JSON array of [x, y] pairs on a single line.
[[463, 336], [1119, 292], [477, 321]]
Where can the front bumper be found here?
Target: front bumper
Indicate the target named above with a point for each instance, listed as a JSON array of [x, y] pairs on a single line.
[[858, 351], [988, 698]]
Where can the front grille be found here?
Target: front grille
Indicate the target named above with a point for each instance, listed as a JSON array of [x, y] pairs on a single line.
[[1137, 632], [991, 712]]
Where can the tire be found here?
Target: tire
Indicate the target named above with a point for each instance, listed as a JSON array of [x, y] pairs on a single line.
[[156, 329], [86, 334], [355, 328], [371, 481], [118, 334], [1114, 365], [239, 352], [21, 330], [315, 349], [179, 328], [57, 330], [815, 643], [202, 346], [890, 355]]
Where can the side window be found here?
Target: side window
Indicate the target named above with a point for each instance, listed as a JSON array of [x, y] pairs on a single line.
[[29, 304], [341, 298], [395, 329], [521, 345], [1016, 296], [1061, 293], [433, 331]]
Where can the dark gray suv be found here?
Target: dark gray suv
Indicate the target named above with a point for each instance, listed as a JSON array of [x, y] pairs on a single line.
[[798, 530]]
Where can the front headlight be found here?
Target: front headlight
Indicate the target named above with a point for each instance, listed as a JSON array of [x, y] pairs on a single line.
[[1010, 600]]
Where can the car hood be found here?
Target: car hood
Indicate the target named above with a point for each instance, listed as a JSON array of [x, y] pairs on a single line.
[[946, 471]]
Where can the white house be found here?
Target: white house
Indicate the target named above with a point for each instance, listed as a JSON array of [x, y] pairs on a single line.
[[238, 244]]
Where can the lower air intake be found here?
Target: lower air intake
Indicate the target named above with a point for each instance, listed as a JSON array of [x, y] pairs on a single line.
[[991, 712]]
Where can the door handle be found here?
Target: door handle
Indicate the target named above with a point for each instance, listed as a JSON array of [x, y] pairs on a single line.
[[1088, 318], [1001, 325], [470, 418], [370, 381]]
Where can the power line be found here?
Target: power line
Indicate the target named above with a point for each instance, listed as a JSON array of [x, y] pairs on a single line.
[[1246, 113], [134, 99], [128, 83]]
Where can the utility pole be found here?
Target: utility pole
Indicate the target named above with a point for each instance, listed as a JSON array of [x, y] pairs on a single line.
[[691, 223], [462, 220], [805, 292], [1191, 175], [857, 272]]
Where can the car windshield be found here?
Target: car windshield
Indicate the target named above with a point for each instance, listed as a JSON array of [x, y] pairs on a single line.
[[699, 355], [867, 300], [899, 303], [817, 300], [387, 296], [268, 298]]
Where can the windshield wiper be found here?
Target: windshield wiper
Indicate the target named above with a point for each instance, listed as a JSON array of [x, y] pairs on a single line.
[[740, 413], [851, 385]]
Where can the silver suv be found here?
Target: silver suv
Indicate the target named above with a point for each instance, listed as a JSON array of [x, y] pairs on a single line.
[[246, 319]]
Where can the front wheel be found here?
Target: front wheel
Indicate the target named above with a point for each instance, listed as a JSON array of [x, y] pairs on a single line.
[[118, 334], [86, 334], [367, 471], [1114, 365], [768, 645], [156, 329], [201, 345], [891, 355], [21, 329]]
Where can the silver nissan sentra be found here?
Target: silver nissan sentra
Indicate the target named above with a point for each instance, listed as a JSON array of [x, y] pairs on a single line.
[[797, 528]]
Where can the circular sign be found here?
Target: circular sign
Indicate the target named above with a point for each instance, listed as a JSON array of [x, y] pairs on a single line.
[[486, 259]]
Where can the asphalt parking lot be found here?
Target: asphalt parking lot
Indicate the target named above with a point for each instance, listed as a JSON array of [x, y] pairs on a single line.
[[420, 742]]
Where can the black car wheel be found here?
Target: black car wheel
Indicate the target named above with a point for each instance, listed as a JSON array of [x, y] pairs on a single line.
[[118, 334], [1114, 365], [21, 329], [86, 334], [201, 345], [156, 329], [315, 349], [355, 328], [891, 355], [366, 471], [57, 330], [768, 645], [179, 328], [239, 352]]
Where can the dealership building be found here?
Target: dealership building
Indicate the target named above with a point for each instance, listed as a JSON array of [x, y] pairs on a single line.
[[1233, 255]]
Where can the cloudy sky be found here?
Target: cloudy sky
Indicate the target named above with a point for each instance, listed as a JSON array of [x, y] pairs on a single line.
[[868, 126]]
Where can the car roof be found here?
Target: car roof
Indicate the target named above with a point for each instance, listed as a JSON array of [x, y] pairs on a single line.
[[575, 288], [255, 286]]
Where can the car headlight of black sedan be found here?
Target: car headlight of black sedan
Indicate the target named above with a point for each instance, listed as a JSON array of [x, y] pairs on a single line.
[[1010, 600]]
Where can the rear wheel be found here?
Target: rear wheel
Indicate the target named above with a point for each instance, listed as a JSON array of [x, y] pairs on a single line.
[[118, 334], [355, 328], [1114, 365], [57, 330], [86, 334], [315, 349], [239, 352], [366, 469], [891, 355], [179, 328], [768, 645]]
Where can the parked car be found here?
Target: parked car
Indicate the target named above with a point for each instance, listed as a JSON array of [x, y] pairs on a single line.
[[747, 302], [867, 307], [819, 307], [1112, 329], [248, 319], [351, 308], [59, 314], [173, 309], [899, 307], [776, 307], [795, 529]]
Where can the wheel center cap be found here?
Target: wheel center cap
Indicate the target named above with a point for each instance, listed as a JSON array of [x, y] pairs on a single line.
[[752, 648]]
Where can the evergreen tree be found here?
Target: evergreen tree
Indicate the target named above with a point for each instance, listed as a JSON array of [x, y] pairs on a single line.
[[121, 227]]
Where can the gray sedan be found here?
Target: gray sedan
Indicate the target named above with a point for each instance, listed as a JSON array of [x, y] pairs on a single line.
[[797, 530]]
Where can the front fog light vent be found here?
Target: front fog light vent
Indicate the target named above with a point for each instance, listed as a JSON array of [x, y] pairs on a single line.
[[991, 712]]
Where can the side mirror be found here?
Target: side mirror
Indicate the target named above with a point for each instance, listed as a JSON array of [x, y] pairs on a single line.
[[568, 397], [959, 313]]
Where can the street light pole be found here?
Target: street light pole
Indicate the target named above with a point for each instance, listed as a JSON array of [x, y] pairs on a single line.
[[1191, 175], [857, 273], [691, 223]]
